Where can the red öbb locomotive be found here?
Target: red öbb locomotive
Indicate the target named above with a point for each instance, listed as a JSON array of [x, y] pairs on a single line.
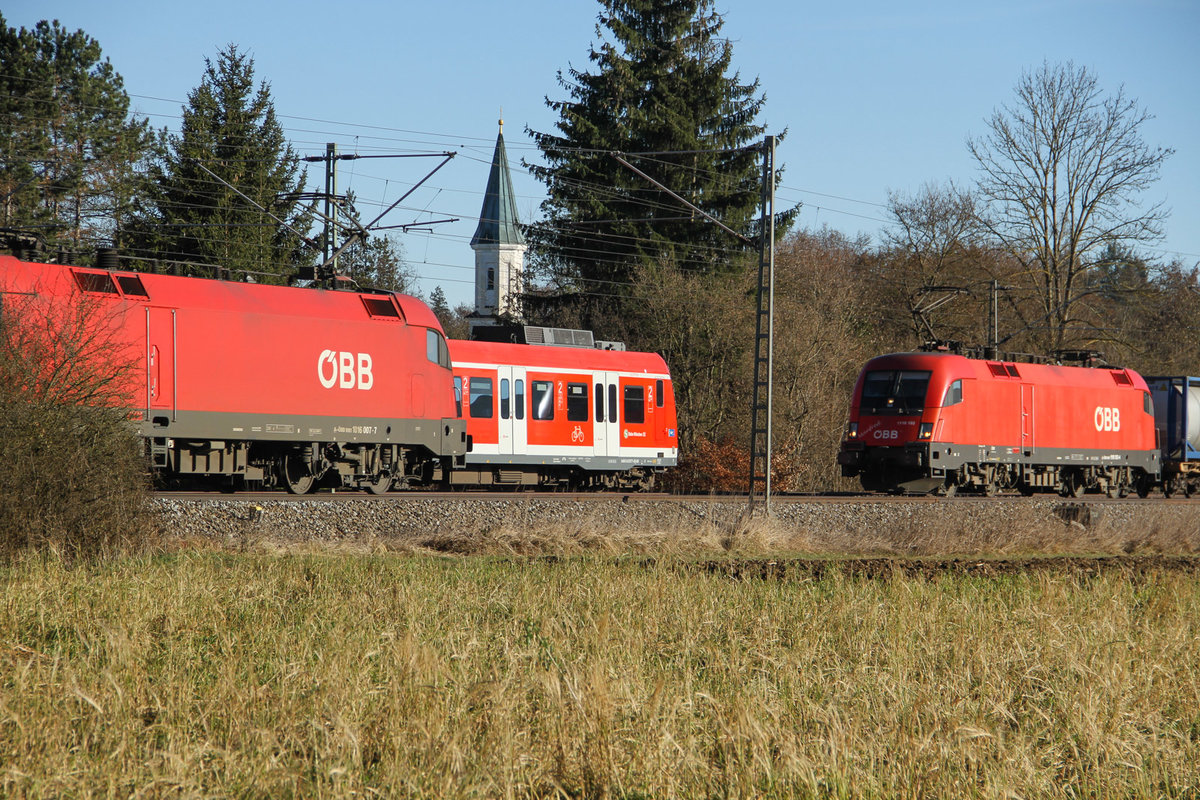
[[922, 422], [262, 384]]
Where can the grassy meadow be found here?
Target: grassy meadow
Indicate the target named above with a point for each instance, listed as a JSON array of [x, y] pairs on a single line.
[[339, 674]]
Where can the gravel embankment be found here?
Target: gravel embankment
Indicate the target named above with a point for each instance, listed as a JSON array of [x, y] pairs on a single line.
[[563, 526]]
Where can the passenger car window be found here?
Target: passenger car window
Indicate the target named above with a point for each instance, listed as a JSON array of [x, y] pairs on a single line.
[[577, 402], [519, 398], [504, 400], [635, 405], [481, 398], [543, 399]]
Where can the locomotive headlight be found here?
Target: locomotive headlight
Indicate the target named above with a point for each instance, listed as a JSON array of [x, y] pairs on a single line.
[[852, 431], [926, 431]]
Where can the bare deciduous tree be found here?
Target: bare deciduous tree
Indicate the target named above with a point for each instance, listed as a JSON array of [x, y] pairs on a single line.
[[933, 252], [1062, 171]]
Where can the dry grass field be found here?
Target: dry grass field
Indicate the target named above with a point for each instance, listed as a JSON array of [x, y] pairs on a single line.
[[351, 674]]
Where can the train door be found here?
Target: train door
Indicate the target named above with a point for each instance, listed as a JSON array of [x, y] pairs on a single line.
[[161, 402], [1027, 417], [514, 438], [606, 431]]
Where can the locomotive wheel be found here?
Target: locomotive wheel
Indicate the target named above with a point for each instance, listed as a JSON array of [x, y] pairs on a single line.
[[1072, 484], [381, 485], [297, 475], [1142, 487]]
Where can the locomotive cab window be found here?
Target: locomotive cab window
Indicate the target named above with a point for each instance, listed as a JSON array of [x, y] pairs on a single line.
[[953, 394], [543, 399], [577, 402], [895, 391], [635, 405], [481, 398]]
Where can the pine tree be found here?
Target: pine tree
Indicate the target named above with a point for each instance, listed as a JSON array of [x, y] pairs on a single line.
[[229, 129], [661, 88], [67, 145]]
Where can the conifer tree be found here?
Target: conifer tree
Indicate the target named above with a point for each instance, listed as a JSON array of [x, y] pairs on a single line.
[[661, 88], [229, 128], [67, 144]]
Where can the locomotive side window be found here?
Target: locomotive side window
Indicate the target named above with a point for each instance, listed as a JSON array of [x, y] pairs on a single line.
[[481, 398], [1147, 406], [436, 349], [895, 391], [953, 394], [519, 398], [504, 399], [577, 402], [658, 394], [635, 405], [543, 399], [458, 395]]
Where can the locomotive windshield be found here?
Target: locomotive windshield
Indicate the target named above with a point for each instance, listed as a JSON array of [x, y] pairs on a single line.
[[894, 392]]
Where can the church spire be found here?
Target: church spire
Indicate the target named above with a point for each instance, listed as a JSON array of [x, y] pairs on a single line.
[[499, 248], [498, 223]]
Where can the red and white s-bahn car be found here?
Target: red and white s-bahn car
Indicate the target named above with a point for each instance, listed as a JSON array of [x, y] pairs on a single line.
[[244, 382], [563, 416], [923, 422]]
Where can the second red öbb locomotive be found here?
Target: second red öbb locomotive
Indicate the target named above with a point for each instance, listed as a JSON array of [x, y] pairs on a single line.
[[923, 422]]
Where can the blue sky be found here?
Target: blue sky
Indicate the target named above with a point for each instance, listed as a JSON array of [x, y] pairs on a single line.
[[876, 96]]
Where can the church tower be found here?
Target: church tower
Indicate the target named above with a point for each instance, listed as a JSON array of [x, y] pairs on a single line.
[[499, 248]]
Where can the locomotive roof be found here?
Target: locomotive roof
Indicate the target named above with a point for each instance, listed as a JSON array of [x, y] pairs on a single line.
[[953, 365], [186, 292]]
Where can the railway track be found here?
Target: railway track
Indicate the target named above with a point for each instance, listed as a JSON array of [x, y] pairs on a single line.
[[602, 497]]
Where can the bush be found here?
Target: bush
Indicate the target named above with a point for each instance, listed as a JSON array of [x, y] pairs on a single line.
[[72, 475], [72, 480]]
